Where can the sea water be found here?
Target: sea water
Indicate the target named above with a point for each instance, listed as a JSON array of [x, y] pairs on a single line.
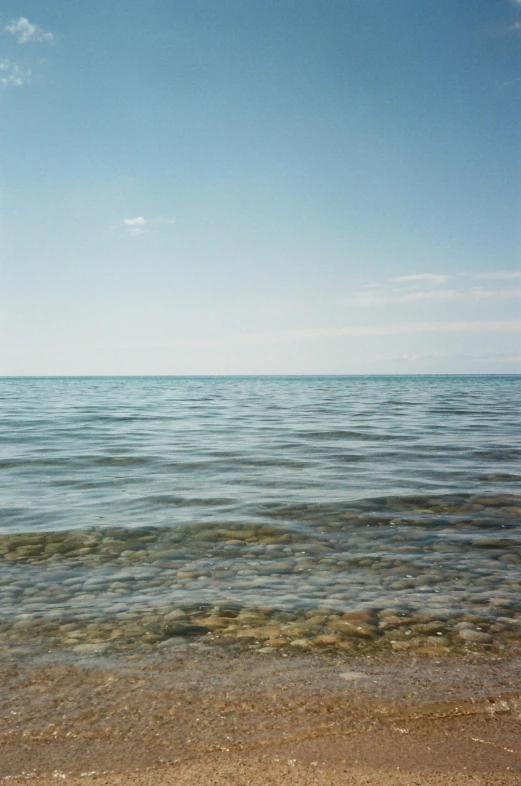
[[133, 510]]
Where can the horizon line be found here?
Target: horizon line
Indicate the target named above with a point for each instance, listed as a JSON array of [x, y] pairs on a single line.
[[264, 375]]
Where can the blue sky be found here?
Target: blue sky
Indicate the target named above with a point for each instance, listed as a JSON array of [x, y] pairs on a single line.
[[260, 186]]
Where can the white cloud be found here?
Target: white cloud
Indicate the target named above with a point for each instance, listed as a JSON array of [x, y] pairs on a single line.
[[437, 356], [363, 299], [507, 275], [413, 328], [499, 358], [442, 278], [426, 278], [407, 289], [12, 75], [476, 293], [135, 226], [138, 225], [24, 31], [484, 326], [503, 326]]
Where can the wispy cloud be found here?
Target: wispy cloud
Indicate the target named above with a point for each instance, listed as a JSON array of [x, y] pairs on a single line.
[[413, 357], [498, 358], [355, 331], [418, 296], [11, 75], [368, 299], [492, 276], [478, 326], [25, 31], [425, 278], [478, 293], [504, 357], [292, 336], [442, 278], [135, 226], [409, 289], [139, 225]]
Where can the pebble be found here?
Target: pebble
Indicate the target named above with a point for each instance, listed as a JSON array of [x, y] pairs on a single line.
[[89, 649], [475, 636], [325, 585]]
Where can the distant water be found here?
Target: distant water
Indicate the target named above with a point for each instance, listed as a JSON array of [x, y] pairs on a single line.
[[285, 491]]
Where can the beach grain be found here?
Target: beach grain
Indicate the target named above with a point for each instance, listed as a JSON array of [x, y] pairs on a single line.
[[253, 720]]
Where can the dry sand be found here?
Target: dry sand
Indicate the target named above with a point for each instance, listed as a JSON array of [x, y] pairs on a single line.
[[224, 719]]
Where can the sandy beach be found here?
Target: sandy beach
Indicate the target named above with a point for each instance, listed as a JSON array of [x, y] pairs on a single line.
[[247, 719]]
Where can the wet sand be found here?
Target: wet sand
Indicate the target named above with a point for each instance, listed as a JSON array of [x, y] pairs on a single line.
[[220, 718]]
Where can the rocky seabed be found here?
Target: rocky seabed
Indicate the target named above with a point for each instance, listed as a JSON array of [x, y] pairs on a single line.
[[424, 576]]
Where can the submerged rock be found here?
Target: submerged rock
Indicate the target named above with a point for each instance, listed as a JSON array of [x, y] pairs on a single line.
[[475, 636]]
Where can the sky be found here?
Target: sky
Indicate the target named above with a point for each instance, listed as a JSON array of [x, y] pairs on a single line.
[[260, 187]]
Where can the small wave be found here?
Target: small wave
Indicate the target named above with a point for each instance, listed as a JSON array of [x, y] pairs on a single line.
[[343, 434], [170, 499], [501, 478], [121, 460]]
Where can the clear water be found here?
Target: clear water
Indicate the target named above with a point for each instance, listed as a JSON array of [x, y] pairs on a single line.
[[292, 492], [170, 451]]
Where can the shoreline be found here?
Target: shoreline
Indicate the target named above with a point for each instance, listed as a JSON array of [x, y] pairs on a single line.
[[237, 718], [431, 573]]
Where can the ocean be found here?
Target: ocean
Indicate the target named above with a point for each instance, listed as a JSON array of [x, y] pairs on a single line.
[[277, 513]]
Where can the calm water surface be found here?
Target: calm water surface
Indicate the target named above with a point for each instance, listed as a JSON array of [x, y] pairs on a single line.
[[125, 494]]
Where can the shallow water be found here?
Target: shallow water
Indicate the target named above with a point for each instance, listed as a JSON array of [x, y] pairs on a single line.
[[125, 501]]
